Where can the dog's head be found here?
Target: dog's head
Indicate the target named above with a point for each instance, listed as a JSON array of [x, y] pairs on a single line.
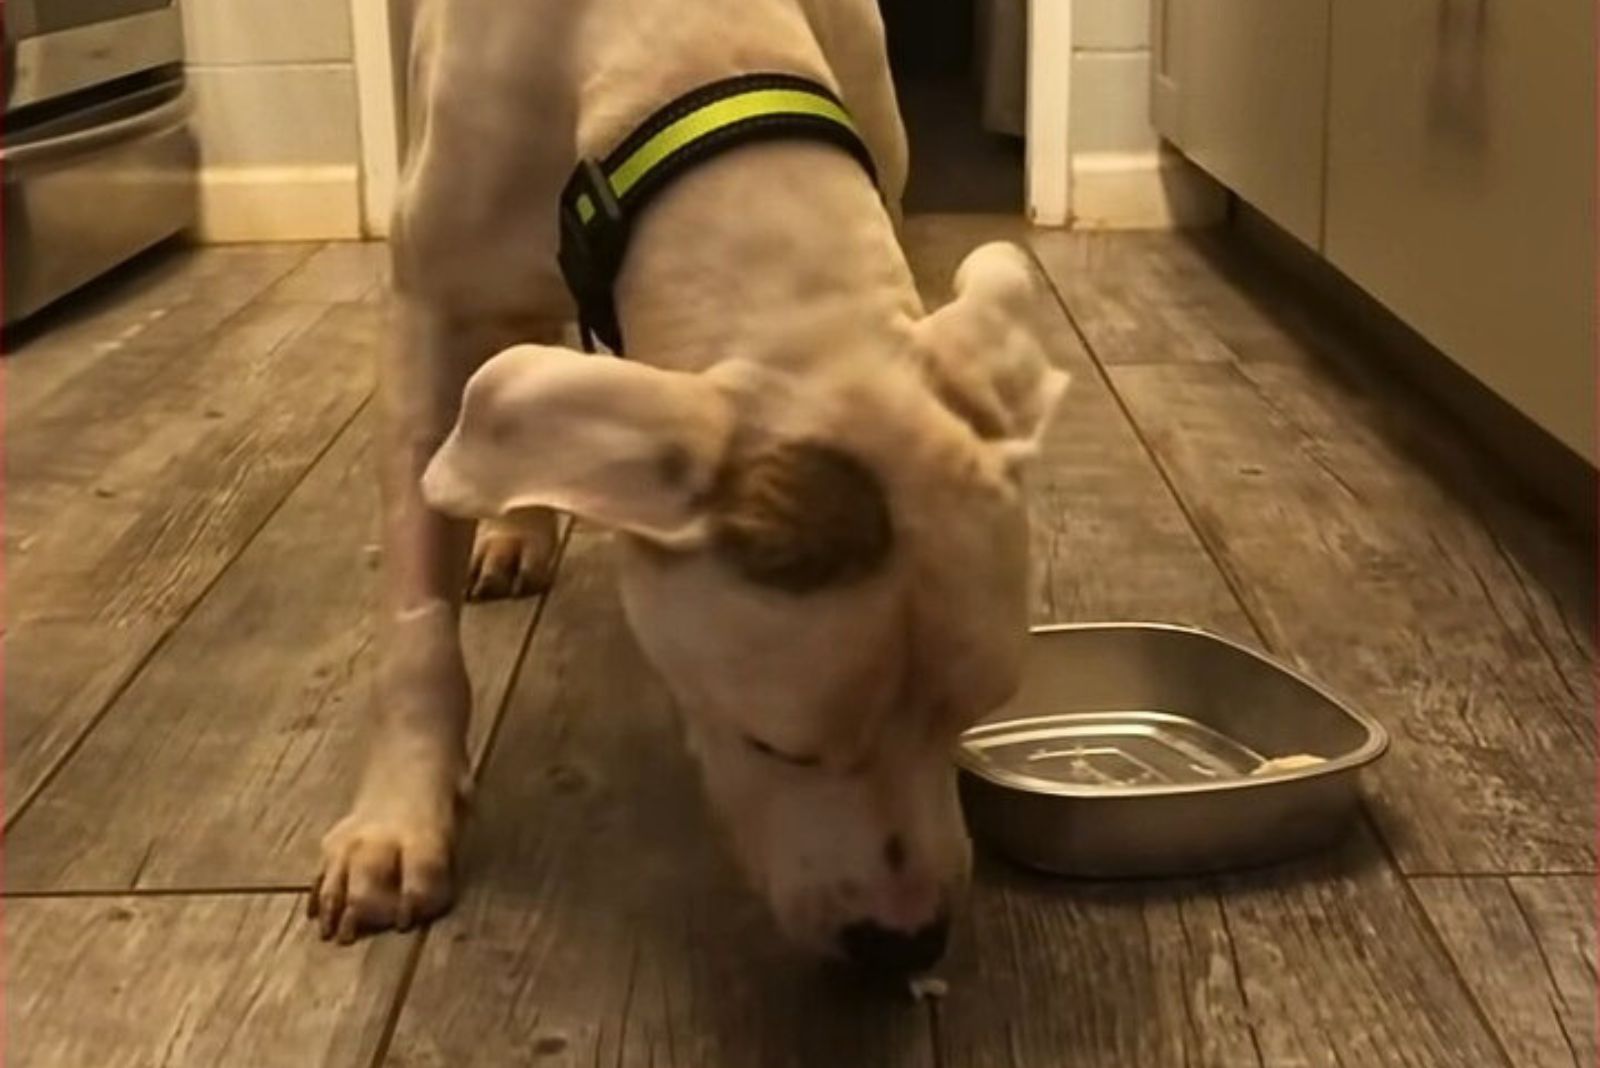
[[829, 571]]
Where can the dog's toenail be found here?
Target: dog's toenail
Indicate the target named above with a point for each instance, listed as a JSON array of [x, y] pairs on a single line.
[[549, 1045]]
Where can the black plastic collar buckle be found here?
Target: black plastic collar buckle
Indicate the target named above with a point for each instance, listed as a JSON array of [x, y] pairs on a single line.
[[590, 253], [595, 227]]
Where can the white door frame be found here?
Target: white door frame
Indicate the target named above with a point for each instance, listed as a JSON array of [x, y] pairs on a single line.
[[1049, 159], [379, 28], [378, 59]]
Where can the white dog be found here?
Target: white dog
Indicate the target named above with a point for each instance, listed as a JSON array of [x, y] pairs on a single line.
[[815, 483]]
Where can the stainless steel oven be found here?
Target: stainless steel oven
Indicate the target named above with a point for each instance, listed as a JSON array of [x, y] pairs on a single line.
[[98, 160]]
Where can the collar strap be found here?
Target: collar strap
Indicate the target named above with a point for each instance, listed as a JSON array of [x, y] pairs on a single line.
[[603, 197]]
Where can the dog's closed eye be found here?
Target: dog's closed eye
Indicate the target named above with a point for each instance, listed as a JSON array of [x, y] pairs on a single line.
[[799, 761]]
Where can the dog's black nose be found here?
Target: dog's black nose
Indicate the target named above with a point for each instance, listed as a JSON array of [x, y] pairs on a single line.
[[881, 949]]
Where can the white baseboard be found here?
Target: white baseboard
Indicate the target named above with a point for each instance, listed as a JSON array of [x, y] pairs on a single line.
[[321, 203], [1157, 190]]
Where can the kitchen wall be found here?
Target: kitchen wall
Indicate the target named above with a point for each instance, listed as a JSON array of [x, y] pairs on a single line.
[[1111, 77], [1121, 177], [277, 118], [280, 123]]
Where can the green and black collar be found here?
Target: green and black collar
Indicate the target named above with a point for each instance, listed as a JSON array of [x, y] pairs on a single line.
[[603, 197]]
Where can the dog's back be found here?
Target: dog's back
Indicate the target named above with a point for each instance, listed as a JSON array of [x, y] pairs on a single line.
[[506, 95]]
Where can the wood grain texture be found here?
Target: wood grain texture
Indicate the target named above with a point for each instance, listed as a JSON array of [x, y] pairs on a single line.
[[1346, 383], [1240, 301], [345, 272], [1396, 599], [1527, 952], [257, 704], [1152, 298], [189, 982], [601, 922], [164, 303], [59, 675], [1325, 962], [87, 460], [132, 498], [1049, 972], [1328, 373], [120, 515], [1340, 968], [1541, 607], [1561, 914], [1352, 388], [172, 389]]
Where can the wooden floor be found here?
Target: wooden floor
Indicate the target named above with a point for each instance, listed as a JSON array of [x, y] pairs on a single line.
[[189, 555]]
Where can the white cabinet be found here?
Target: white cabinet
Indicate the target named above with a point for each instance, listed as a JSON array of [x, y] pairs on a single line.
[[1440, 153], [1240, 86], [1461, 187]]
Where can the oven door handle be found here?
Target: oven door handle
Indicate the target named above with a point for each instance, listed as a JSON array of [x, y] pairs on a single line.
[[158, 119]]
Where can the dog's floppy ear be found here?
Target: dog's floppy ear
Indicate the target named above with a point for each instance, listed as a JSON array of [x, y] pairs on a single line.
[[627, 446], [985, 352]]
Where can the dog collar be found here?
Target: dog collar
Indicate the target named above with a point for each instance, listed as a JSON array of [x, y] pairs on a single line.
[[603, 197]]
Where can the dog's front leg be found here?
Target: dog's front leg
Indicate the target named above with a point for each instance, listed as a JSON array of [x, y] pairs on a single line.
[[388, 862]]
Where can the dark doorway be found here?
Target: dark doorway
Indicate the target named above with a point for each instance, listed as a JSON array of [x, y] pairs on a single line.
[[959, 70]]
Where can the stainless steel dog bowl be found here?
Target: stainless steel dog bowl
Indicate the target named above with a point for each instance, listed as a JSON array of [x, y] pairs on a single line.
[[1145, 749]]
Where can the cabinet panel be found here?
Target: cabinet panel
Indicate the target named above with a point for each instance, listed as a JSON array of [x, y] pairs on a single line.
[[1241, 87], [1461, 182]]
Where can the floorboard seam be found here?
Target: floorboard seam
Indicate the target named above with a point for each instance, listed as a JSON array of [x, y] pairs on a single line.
[[205, 338], [272, 890], [1469, 876], [402, 991], [176, 624], [1544, 958], [935, 1034], [1238, 976], [1155, 459], [492, 734], [1411, 898], [1440, 946]]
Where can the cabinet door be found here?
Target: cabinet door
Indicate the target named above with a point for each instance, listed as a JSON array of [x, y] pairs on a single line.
[[1241, 87], [1461, 187]]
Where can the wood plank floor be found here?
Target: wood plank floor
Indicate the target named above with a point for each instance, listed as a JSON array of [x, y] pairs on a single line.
[[189, 544]]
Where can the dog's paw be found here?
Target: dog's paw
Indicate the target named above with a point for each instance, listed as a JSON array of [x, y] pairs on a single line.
[[380, 872], [513, 557]]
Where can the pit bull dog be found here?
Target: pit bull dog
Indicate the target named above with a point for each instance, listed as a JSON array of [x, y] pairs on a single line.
[[816, 484]]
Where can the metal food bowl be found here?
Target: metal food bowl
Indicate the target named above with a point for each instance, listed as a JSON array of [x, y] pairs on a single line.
[[1147, 749]]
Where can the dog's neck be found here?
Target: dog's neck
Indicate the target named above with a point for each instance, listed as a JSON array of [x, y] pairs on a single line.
[[782, 253]]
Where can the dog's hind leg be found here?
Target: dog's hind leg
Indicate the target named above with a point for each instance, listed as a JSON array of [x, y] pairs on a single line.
[[513, 556]]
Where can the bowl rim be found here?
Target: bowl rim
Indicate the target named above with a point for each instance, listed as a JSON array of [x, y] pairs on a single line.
[[1376, 744]]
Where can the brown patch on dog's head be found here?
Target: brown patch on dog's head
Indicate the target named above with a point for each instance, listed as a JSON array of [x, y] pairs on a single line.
[[800, 517]]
